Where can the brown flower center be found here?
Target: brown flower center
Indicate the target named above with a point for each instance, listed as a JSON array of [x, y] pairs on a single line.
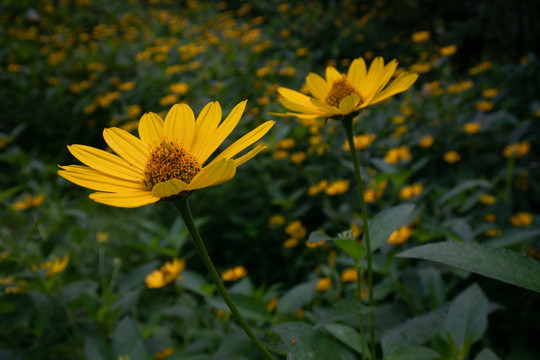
[[170, 161], [340, 90]]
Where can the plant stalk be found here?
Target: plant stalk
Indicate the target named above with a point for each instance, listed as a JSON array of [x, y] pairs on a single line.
[[183, 208]]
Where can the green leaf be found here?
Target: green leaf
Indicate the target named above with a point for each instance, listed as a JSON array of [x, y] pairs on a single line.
[[297, 297], [496, 263], [248, 306], [353, 248], [127, 340], [346, 335], [512, 237], [318, 236], [466, 185], [72, 291], [486, 354], [343, 309], [304, 342], [384, 223], [467, 319], [95, 349], [414, 353], [415, 331]]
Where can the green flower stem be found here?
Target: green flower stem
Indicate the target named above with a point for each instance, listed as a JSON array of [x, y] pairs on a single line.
[[183, 207], [359, 273], [347, 123]]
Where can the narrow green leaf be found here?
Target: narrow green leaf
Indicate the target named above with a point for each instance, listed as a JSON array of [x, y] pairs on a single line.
[[467, 317], [486, 354], [127, 340], [500, 264], [512, 237], [346, 335], [297, 297], [353, 248], [384, 223], [414, 353], [415, 331], [466, 185], [343, 309], [318, 236]]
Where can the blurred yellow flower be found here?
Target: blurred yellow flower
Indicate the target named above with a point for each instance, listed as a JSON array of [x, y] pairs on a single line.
[[324, 284], [483, 66], [420, 36], [490, 217], [272, 304], [298, 157], [53, 267], [493, 232], [518, 149], [179, 88], [314, 245], [127, 86], [102, 237], [420, 68], [166, 275], [448, 50], [318, 188], [521, 219], [349, 275], [472, 127], [487, 199], [395, 155], [168, 100], [344, 94], [451, 157], [160, 355], [276, 220], [490, 93], [167, 160], [410, 191], [280, 155], [360, 142], [29, 202], [460, 87], [90, 108], [426, 141], [296, 230], [286, 143], [133, 111], [399, 236], [337, 187], [290, 243], [484, 105], [234, 274]]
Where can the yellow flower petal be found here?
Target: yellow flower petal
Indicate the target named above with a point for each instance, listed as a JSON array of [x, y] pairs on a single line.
[[249, 155], [357, 72], [96, 180], [129, 147], [180, 125], [217, 172], [332, 75], [169, 188], [296, 101], [205, 126], [223, 131], [383, 79], [127, 200], [151, 129], [105, 162], [347, 105], [245, 141], [401, 83], [317, 86], [371, 82]]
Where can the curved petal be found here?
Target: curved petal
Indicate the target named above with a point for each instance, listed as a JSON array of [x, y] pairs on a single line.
[[332, 75], [217, 172], [317, 86], [105, 162], [402, 83], [224, 130], [96, 180], [129, 147], [371, 81], [249, 155], [207, 122], [168, 188], [151, 129], [125, 200], [296, 101], [357, 72], [180, 125], [245, 141], [327, 109], [348, 104], [383, 79]]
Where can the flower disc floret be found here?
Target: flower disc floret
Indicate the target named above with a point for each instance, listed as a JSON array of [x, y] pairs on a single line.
[[170, 161], [340, 90]]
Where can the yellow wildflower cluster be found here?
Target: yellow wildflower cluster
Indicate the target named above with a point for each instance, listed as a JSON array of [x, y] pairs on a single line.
[[472, 127], [53, 267], [487, 199], [324, 283], [395, 155], [426, 141], [29, 202], [276, 220], [337, 187], [521, 219], [518, 149], [234, 274], [399, 236], [410, 191], [485, 105], [448, 50], [360, 142], [420, 36], [375, 191], [318, 188], [459, 87], [451, 156], [349, 275], [296, 231], [483, 66], [166, 275]]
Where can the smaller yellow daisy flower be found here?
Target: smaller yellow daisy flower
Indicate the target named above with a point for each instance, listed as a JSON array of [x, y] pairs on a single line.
[[451, 157], [234, 274], [166, 275], [400, 235], [349, 275], [324, 284], [521, 219]]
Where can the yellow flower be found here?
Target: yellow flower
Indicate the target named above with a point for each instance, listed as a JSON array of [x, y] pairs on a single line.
[[459, 87], [127, 86], [276, 220], [490, 93], [360, 142], [411, 191], [102, 237], [395, 155], [519, 149], [487, 199], [318, 188], [400, 235], [472, 127], [420, 36], [290, 243], [286, 143], [298, 157], [314, 245], [451, 157], [324, 284], [160, 355], [272, 304], [484, 105], [483, 66], [349, 275], [296, 230], [426, 141], [234, 274], [168, 159], [493, 232], [133, 111], [168, 100], [29, 202], [179, 88], [337, 187], [166, 275], [490, 217], [521, 219], [448, 50], [344, 94], [55, 267]]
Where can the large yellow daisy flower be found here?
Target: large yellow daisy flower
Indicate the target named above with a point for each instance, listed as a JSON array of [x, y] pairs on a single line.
[[168, 159], [344, 94]]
